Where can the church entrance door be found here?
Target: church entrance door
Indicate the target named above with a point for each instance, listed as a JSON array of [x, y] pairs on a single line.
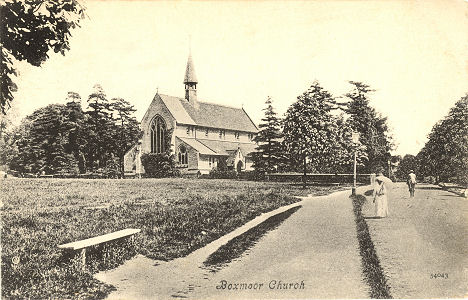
[[240, 165]]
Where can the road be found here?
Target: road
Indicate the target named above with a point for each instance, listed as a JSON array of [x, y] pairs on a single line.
[[423, 236]]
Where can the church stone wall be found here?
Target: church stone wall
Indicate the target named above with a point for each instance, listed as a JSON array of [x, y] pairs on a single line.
[[157, 107]]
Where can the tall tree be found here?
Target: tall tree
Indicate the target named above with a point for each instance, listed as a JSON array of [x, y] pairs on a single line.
[[445, 154], [28, 30], [269, 149], [126, 131], [310, 130], [371, 126], [42, 142], [100, 121]]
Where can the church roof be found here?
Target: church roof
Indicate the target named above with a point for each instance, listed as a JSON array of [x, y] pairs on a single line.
[[194, 143], [190, 76], [224, 147], [209, 114]]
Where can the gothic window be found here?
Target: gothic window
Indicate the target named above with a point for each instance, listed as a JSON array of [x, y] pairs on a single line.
[[158, 135], [183, 158]]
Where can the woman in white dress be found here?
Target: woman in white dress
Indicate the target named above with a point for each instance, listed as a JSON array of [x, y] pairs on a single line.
[[380, 196]]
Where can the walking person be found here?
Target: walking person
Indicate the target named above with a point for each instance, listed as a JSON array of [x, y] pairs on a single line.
[[381, 196], [411, 182]]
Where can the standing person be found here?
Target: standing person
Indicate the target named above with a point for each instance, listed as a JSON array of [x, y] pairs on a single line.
[[411, 181], [381, 195]]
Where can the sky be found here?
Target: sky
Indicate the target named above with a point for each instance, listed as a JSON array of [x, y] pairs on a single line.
[[413, 53]]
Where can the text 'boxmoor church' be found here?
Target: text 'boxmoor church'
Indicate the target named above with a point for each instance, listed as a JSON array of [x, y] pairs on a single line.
[[204, 135]]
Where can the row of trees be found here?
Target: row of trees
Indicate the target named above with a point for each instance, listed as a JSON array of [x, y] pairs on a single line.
[[315, 134], [65, 139], [445, 155]]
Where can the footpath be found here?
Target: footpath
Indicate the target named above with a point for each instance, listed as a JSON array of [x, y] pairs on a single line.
[[423, 244], [313, 253]]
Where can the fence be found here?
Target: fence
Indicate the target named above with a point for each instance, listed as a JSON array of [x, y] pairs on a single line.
[[322, 178]]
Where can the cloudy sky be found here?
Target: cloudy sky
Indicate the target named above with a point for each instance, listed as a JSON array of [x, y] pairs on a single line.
[[413, 53]]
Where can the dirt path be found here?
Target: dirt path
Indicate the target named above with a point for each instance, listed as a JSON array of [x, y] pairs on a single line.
[[424, 235], [315, 248]]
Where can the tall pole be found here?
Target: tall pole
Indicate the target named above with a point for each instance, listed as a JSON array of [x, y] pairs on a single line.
[[355, 141], [354, 175]]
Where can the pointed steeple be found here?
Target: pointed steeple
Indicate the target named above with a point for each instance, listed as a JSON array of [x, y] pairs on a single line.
[[190, 82], [190, 76]]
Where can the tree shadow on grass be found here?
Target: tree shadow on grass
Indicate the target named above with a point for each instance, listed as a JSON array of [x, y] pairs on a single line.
[[238, 245]]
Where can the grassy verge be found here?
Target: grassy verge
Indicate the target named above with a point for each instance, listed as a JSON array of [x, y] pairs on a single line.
[[176, 216], [373, 272]]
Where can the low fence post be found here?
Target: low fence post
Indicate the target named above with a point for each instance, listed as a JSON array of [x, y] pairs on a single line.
[[372, 178]]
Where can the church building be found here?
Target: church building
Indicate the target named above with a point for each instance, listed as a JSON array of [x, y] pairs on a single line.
[[203, 134]]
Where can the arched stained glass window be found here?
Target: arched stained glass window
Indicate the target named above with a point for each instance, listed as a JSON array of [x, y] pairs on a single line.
[[158, 135], [183, 158]]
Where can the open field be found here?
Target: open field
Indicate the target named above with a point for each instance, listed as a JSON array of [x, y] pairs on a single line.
[[176, 216]]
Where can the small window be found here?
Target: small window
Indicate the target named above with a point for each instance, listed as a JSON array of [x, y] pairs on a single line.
[[182, 156], [222, 134], [237, 135], [206, 131], [188, 130]]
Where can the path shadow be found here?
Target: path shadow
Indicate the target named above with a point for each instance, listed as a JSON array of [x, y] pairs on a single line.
[[372, 218], [238, 245]]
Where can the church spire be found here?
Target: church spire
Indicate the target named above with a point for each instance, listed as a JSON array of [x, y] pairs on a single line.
[[190, 81]]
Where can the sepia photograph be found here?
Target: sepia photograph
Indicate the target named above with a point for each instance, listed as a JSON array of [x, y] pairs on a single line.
[[234, 149]]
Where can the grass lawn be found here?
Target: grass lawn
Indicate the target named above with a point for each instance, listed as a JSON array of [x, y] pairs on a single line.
[[177, 216]]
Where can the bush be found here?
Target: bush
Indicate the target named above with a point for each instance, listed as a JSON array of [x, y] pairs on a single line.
[[159, 165], [220, 174]]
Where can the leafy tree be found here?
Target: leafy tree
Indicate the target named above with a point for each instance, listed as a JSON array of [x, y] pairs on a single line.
[[7, 139], [269, 150], [100, 120], [28, 30], [408, 163], [76, 123], [41, 141], [311, 131], [445, 154], [126, 130], [371, 126]]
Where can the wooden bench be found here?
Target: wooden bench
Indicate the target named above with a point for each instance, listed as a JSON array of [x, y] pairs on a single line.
[[83, 244]]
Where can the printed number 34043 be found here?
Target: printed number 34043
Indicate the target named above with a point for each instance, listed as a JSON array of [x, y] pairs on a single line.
[[439, 275]]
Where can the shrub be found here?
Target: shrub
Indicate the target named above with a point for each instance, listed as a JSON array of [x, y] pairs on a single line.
[[159, 165], [220, 174]]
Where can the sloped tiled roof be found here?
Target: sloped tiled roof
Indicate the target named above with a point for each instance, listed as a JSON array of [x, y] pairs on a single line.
[[209, 114], [177, 110], [223, 147], [194, 143]]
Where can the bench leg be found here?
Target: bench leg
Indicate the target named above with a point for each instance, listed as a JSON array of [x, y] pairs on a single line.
[[83, 258]]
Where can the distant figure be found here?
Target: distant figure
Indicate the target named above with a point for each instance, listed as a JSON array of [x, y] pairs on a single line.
[[380, 195], [411, 181]]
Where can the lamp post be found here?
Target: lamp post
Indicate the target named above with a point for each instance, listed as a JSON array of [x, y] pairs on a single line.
[[355, 140]]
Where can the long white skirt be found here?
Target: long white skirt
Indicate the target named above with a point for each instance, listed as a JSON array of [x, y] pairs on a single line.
[[381, 206]]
